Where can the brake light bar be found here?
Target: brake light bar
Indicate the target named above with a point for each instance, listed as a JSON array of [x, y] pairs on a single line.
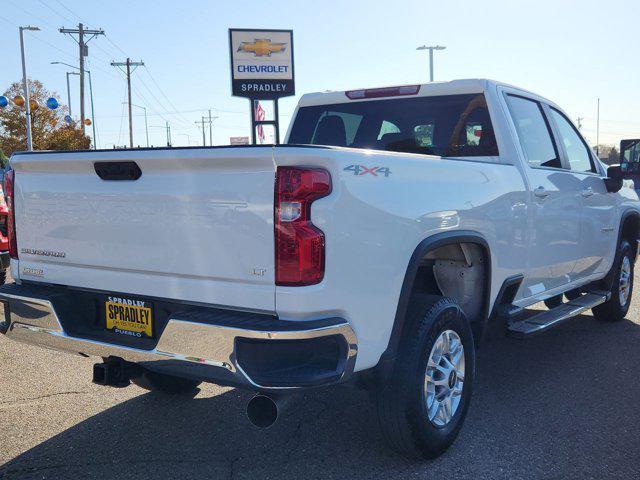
[[383, 92]]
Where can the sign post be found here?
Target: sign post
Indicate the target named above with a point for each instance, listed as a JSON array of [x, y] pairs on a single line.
[[262, 69]]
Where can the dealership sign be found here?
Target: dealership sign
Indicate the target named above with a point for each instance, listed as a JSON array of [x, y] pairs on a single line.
[[261, 63], [239, 141]]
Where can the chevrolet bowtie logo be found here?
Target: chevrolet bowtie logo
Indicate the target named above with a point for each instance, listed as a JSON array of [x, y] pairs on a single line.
[[261, 47]]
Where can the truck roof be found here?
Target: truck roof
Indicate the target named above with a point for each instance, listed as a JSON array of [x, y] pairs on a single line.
[[452, 87]]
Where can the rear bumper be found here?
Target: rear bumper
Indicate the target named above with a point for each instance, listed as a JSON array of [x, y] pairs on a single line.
[[247, 350]]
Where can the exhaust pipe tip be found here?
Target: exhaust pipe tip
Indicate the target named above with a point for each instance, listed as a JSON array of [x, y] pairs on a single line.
[[262, 411]]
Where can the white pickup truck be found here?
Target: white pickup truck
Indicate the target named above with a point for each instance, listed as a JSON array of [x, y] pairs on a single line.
[[373, 247]]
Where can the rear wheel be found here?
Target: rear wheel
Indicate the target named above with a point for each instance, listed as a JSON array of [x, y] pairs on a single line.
[[167, 384], [422, 408], [617, 306]]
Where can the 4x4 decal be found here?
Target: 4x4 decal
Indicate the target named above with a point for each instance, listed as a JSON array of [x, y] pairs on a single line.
[[363, 170]]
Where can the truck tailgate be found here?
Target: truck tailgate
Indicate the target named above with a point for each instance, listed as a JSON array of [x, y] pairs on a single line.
[[197, 225]]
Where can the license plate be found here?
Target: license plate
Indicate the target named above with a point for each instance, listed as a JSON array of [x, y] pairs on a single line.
[[129, 317]]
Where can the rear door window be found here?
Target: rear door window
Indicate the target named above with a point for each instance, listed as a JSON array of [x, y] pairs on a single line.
[[534, 132], [446, 125], [574, 146]]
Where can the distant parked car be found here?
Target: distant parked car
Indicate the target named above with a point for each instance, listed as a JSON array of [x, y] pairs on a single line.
[[4, 240]]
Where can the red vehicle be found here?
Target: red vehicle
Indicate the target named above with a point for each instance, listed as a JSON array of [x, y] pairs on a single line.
[[4, 240]]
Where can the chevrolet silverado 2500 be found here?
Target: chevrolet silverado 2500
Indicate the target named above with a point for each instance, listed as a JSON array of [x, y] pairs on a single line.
[[373, 247]]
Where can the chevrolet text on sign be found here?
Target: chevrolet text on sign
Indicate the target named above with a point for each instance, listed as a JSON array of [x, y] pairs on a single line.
[[261, 63]]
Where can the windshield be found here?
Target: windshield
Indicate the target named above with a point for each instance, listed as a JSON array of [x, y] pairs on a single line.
[[448, 125]]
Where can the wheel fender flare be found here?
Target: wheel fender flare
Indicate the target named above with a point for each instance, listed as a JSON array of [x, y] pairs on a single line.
[[430, 243], [626, 215]]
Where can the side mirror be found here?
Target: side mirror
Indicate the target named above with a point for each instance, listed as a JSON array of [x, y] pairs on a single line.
[[613, 182]]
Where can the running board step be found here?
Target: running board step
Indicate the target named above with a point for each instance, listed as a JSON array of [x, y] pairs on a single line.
[[544, 321]]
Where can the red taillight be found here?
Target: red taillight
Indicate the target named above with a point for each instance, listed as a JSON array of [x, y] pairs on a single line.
[[299, 243], [9, 180], [383, 92]]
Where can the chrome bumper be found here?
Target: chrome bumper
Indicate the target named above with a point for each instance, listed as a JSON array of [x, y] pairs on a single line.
[[190, 348]]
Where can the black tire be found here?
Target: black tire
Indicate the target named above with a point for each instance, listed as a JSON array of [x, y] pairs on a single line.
[[553, 302], [614, 309], [3, 276], [166, 384], [401, 403]]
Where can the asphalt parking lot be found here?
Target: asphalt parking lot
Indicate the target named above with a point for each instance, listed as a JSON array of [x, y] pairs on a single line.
[[562, 405]]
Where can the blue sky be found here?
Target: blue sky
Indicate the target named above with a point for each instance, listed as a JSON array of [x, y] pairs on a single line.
[[569, 51]]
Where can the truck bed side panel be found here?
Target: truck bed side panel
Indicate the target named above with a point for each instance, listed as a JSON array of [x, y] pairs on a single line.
[[373, 223]]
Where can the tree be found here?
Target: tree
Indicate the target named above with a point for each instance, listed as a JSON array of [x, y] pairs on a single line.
[[3, 159], [48, 128], [614, 156]]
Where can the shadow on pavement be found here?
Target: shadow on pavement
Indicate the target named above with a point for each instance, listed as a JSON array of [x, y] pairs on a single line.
[[562, 405]]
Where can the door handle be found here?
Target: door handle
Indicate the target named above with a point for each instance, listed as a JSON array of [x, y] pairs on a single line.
[[540, 192], [587, 192]]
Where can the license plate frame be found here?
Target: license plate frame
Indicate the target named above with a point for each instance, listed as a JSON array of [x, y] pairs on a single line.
[[128, 316]]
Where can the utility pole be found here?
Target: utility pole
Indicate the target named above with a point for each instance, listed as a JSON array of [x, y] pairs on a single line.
[[25, 85], [204, 137], [210, 130], [211, 119], [84, 52], [431, 49], [168, 134], [128, 64]]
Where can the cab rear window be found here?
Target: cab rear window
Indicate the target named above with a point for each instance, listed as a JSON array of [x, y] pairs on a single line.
[[447, 125]]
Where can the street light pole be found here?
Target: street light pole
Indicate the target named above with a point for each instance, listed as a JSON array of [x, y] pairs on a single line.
[[25, 85], [431, 49], [146, 125], [93, 117], [69, 92]]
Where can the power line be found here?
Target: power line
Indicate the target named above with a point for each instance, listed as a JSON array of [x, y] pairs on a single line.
[[50, 45], [40, 19], [68, 9], [163, 94], [114, 44], [55, 11], [158, 102]]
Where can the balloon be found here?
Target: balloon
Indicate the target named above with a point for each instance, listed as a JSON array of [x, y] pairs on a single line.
[[3, 101], [68, 119], [33, 105], [87, 121], [19, 101], [52, 103]]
